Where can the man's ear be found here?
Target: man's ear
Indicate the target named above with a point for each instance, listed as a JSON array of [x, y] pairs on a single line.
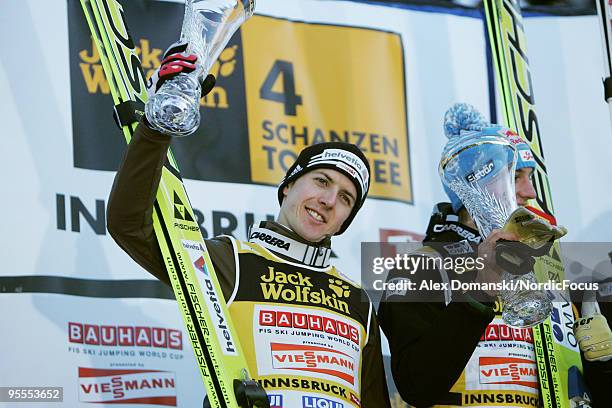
[[287, 188]]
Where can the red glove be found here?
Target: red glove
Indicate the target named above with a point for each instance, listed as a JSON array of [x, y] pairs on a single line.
[[177, 61]]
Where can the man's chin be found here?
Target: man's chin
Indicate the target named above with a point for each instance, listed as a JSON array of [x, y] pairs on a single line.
[[312, 236]]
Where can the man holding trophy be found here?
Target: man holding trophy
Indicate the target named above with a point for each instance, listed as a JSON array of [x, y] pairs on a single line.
[[440, 350], [308, 337]]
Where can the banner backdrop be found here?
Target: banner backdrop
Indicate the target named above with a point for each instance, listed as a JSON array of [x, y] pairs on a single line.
[[80, 314]]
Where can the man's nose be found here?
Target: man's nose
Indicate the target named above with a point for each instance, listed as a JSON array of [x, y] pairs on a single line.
[[526, 190], [328, 197]]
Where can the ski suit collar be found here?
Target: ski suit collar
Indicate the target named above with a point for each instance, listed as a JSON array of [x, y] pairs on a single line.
[[287, 244]]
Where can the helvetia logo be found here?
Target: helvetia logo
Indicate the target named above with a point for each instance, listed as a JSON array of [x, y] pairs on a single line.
[[127, 386]]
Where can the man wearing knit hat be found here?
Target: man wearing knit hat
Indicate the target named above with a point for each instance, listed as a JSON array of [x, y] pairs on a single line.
[[453, 350], [308, 337]]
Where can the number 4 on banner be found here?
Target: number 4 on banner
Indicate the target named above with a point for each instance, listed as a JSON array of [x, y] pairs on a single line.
[[287, 97]]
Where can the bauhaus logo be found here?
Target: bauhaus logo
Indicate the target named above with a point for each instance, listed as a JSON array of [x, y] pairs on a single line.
[[504, 332], [124, 336], [308, 321]]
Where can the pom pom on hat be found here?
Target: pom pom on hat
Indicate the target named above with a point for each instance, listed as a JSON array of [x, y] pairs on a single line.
[[461, 118]]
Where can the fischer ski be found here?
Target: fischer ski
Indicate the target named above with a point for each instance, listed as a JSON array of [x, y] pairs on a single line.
[[555, 345], [207, 320]]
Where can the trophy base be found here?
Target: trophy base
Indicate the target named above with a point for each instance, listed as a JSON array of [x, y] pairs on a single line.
[[526, 309], [175, 109]]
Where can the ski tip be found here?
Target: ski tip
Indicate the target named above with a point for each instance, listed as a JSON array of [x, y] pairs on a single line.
[[462, 117]]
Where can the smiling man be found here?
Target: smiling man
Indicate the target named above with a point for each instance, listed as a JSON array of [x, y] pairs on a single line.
[[308, 337]]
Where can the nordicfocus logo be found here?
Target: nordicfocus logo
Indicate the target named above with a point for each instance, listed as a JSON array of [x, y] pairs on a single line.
[[315, 359], [480, 173], [508, 370], [502, 332], [124, 336], [296, 287], [318, 402], [308, 321], [470, 236], [112, 386], [269, 239], [181, 213]]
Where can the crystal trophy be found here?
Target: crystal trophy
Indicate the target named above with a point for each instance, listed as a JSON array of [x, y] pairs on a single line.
[[207, 27], [480, 170]]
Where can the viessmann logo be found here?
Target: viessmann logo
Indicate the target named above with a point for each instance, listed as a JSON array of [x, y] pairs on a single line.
[[127, 386], [315, 359], [508, 370], [124, 336]]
